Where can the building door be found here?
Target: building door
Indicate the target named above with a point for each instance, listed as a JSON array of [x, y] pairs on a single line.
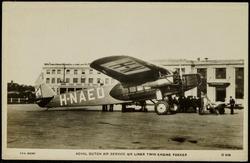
[[220, 93]]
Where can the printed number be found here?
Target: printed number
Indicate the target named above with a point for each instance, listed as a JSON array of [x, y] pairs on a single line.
[[226, 154]]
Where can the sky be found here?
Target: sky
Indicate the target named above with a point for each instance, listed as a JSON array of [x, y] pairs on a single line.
[[61, 32]]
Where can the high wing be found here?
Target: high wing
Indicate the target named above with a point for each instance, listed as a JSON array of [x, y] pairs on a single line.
[[128, 69]]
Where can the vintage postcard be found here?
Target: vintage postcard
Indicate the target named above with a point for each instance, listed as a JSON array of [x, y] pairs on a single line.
[[125, 81]]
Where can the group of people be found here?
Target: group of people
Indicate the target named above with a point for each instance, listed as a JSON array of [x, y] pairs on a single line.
[[108, 107], [200, 104], [185, 104]]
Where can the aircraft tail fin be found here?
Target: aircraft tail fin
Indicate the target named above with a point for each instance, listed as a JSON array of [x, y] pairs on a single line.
[[42, 89]]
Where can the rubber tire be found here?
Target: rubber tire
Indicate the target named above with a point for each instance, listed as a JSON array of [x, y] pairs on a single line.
[[161, 104]]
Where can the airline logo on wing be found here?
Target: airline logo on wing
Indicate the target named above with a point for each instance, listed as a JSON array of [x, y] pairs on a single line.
[[82, 96], [126, 66]]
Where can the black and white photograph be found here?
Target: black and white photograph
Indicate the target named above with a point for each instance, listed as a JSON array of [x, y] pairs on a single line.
[[125, 81]]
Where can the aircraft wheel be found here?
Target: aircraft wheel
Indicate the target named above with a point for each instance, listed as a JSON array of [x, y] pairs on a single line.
[[162, 107]]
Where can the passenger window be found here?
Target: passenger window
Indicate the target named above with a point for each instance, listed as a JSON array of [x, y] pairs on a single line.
[[125, 90], [139, 88], [147, 88], [132, 89]]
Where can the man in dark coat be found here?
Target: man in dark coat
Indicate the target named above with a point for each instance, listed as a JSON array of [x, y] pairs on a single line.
[[232, 103]]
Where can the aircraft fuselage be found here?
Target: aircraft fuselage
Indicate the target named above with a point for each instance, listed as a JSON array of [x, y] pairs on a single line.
[[122, 93]]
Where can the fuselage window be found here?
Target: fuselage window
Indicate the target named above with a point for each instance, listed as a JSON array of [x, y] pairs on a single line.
[[139, 88], [125, 90], [147, 88], [132, 89]]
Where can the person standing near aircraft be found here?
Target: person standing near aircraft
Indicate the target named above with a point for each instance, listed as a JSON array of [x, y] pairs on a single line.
[[202, 104], [111, 107], [195, 105], [185, 104], [232, 103], [198, 103], [143, 106], [104, 108], [181, 104]]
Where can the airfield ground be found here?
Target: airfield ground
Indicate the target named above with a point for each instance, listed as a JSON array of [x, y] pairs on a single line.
[[29, 126]]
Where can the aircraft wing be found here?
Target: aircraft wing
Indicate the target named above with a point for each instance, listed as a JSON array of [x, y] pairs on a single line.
[[128, 69]]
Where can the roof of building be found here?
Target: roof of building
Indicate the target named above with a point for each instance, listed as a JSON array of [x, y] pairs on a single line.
[[164, 62], [176, 62]]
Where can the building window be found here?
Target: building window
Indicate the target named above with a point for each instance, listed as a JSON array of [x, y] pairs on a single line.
[[71, 89], [58, 80], [83, 71], [47, 80], [90, 71], [98, 80], [220, 73], [48, 72], [203, 86], [98, 72], [75, 72], [67, 71], [75, 80], [53, 80], [63, 90], [91, 80], [178, 70], [82, 80], [58, 71], [106, 80], [239, 83], [53, 71], [67, 80]]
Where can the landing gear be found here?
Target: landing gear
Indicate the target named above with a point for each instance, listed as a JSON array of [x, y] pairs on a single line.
[[162, 107]]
